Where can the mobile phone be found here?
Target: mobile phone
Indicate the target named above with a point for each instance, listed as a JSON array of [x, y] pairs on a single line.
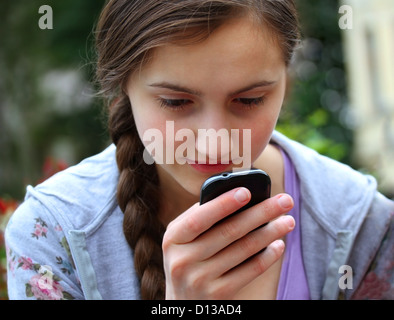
[[257, 181]]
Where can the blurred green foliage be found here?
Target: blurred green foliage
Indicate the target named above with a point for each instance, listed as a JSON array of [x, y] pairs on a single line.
[[34, 125], [316, 110]]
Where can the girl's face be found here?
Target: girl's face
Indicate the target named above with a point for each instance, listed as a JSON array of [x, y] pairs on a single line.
[[233, 80]]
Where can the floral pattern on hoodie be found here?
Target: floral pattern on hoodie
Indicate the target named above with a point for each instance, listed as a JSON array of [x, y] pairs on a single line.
[[378, 283], [44, 284]]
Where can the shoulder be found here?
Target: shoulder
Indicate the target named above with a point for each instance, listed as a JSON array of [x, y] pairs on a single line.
[[344, 217], [337, 196], [74, 217], [80, 194], [38, 253]]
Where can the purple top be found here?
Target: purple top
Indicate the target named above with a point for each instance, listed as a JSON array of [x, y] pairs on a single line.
[[293, 284]]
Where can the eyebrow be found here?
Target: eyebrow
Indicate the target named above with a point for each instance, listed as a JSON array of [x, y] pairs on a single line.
[[260, 84], [174, 87], [177, 88]]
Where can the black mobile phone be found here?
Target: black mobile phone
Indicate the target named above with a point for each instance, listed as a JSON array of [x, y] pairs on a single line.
[[257, 181]]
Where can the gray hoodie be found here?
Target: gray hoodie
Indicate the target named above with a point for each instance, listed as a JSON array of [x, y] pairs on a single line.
[[343, 219], [66, 240]]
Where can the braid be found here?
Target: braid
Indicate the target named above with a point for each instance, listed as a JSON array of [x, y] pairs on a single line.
[[138, 198]]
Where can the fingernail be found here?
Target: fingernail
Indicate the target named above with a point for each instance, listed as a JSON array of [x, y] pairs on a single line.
[[285, 201], [289, 220], [279, 245], [241, 195]]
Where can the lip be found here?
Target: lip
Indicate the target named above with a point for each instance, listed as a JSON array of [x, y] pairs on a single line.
[[210, 168]]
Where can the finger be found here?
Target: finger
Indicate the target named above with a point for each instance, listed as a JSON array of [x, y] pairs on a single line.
[[199, 219], [237, 278], [239, 225], [254, 242]]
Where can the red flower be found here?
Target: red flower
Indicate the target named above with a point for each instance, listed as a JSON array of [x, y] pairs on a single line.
[[3, 206], [52, 166], [7, 206]]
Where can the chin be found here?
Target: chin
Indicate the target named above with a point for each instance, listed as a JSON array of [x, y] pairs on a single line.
[[192, 185]]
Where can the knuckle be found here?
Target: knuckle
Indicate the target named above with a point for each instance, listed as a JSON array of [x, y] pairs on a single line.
[[171, 224], [168, 240], [193, 225], [165, 244], [230, 231], [260, 265], [197, 280], [191, 279], [247, 245], [178, 268]]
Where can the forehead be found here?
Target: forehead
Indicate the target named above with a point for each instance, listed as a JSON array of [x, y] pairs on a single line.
[[237, 49]]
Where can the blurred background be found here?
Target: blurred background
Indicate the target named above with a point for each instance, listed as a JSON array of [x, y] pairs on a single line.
[[341, 101]]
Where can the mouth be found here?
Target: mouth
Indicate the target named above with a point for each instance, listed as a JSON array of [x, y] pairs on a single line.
[[210, 168]]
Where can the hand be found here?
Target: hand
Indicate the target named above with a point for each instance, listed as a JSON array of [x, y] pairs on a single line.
[[209, 257]]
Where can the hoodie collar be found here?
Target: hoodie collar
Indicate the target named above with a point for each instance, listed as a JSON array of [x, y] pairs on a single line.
[[337, 196]]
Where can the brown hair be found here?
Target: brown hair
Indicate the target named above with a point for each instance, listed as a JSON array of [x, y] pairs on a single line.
[[127, 32]]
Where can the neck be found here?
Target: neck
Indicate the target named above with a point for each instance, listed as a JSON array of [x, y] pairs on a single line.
[[271, 161]]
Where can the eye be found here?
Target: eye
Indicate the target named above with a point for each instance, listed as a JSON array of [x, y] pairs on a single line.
[[174, 104], [250, 102]]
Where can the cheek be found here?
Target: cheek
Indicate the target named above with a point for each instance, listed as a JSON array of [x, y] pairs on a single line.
[[261, 134], [155, 131], [260, 139], [264, 123], [144, 117]]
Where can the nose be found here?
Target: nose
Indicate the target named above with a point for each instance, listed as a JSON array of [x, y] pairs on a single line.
[[213, 141]]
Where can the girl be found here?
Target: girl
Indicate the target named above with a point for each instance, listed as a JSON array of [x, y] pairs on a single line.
[[117, 226]]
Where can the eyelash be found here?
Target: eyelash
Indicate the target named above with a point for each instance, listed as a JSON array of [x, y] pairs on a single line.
[[249, 103], [174, 104], [180, 104]]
